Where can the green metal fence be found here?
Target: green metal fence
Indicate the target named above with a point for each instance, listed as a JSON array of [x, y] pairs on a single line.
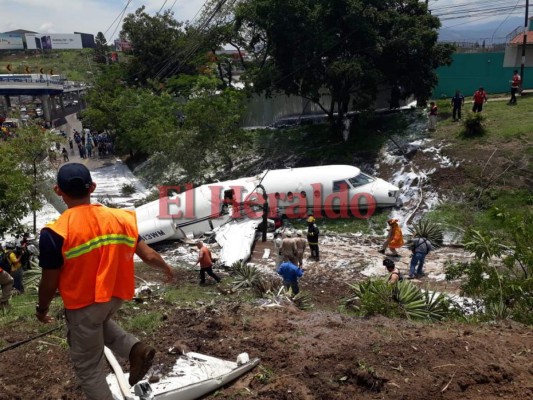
[[468, 72]]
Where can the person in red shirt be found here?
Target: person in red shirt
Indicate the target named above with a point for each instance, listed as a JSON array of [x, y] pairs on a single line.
[[480, 97], [515, 86], [206, 263]]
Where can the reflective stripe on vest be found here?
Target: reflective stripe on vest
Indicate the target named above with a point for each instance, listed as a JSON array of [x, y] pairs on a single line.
[[99, 242]]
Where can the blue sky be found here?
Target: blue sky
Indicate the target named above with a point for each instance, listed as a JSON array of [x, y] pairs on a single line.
[[93, 16]]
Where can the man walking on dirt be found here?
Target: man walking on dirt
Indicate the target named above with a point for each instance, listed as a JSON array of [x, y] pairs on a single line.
[[206, 263], [87, 253], [420, 247]]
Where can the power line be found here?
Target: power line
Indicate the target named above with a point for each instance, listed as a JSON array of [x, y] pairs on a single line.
[[159, 12], [120, 15], [506, 18]]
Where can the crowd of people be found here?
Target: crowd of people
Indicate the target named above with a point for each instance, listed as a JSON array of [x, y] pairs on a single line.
[[479, 98], [86, 144]]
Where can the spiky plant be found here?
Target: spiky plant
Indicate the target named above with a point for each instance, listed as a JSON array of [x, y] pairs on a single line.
[[31, 279], [428, 229], [244, 275], [266, 285], [303, 301], [403, 300]]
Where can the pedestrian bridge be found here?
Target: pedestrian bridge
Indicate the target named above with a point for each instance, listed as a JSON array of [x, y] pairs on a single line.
[[30, 85], [48, 88]]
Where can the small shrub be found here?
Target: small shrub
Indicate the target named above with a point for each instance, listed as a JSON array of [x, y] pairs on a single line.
[[404, 300], [266, 285], [127, 189], [473, 125], [303, 301], [245, 275], [428, 229]]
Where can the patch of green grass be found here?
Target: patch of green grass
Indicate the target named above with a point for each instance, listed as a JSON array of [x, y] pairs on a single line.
[[460, 216], [502, 122], [189, 294], [143, 321], [374, 224], [76, 65]]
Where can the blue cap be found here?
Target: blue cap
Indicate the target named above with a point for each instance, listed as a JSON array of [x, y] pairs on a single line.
[[74, 178]]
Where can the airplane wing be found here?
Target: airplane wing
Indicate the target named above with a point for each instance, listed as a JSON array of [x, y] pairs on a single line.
[[236, 239]]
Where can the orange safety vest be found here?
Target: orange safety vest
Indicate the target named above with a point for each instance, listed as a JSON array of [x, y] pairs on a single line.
[[98, 248]]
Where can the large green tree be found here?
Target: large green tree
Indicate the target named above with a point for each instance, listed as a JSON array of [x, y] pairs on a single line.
[[100, 49], [212, 119], [23, 168], [161, 46], [339, 53]]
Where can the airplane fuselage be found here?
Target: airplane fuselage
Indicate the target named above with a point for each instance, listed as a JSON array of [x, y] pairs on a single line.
[[332, 191]]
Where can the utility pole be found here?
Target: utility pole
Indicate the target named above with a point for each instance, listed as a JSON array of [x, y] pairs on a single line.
[[524, 43]]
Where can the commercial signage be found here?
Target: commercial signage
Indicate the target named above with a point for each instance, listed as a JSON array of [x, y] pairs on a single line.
[[122, 45], [10, 41], [60, 41], [33, 41]]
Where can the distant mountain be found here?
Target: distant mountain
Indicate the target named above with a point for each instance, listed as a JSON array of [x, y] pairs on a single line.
[[480, 32]]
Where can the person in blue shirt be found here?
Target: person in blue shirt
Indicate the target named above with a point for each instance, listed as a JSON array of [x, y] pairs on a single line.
[[290, 274]]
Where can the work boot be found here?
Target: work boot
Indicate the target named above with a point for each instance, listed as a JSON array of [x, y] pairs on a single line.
[[141, 357]]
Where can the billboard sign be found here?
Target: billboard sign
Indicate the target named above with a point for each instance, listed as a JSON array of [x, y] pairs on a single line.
[[10, 41], [33, 42], [60, 41], [122, 45]]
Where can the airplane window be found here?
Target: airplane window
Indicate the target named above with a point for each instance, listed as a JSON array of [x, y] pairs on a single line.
[[361, 179], [339, 186]]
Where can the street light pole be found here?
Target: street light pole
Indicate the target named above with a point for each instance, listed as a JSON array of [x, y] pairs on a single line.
[[524, 43]]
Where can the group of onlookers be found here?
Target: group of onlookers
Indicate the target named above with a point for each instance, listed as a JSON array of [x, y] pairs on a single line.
[[479, 98]]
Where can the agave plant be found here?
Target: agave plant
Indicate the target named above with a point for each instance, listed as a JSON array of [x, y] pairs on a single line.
[[245, 275], [266, 285], [429, 230], [303, 301], [31, 279], [401, 300]]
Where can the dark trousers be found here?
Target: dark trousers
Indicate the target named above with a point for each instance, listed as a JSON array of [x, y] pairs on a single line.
[[456, 113], [478, 107], [293, 286], [17, 280], [513, 95], [208, 271], [314, 250]]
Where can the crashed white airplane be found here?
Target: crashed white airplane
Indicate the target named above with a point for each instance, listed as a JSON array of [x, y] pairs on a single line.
[[233, 209]]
